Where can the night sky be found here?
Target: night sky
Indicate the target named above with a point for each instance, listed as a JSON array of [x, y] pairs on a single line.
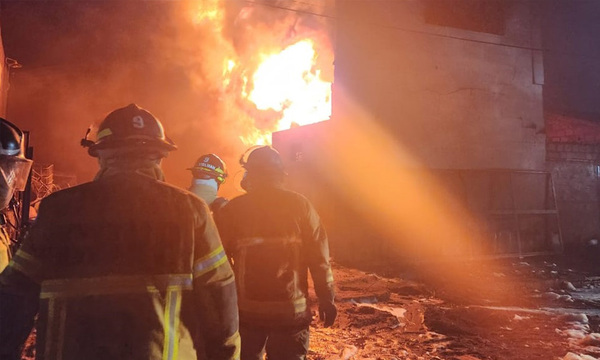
[[572, 57]]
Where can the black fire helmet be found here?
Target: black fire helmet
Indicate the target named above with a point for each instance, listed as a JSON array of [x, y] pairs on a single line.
[[129, 127], [262, 159]]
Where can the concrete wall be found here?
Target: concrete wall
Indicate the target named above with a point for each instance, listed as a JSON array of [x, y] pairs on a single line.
[[492, 197], [576, 173], [573, 154], [454, 98], [422, 95]]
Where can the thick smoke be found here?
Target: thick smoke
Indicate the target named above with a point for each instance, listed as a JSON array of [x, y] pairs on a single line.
[[82, 60]]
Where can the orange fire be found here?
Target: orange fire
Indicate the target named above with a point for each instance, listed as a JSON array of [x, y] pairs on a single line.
[[288, 83], [284, 89], [209, 11]]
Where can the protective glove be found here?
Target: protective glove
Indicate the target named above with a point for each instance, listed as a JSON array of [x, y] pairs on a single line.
[[327, 313]]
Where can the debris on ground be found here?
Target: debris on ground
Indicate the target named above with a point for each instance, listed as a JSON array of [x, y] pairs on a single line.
[[386, 313]]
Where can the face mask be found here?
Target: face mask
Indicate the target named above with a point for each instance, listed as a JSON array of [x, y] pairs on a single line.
[[13, 176], [205, 189], [6, 192]]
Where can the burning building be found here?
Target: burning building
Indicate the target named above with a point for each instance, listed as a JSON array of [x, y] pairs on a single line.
[[437, 115], [436, 143], [430, 124]]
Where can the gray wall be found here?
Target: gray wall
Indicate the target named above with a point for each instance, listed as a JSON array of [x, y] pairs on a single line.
[[575, 172], [455, 98], [572, 73], [412, 94]]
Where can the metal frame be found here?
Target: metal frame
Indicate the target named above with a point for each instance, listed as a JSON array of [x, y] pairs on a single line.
[[550, 209]]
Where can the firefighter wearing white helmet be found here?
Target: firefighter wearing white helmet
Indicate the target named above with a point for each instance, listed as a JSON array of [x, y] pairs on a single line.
[[208, 174], [127, 266], [275, 237]]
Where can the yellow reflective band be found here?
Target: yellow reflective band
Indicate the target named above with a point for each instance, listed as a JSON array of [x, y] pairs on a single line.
[[273, 307], [50, 328], [25, 263], [25, 256], [103, 133], [329, 276], [171, 324], [55, 330], [24, 259], [114, 285], [211, 254], [209, 262], [235, 340], [270, 240], [18, 267]]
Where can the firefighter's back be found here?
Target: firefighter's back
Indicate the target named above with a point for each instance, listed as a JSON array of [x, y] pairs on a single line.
[[116, 255], [126, 266], [265, 233]]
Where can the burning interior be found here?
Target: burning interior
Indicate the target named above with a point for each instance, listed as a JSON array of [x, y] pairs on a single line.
[[276, 65]]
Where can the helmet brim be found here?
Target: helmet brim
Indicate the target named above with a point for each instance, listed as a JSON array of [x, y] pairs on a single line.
[[159, 145]]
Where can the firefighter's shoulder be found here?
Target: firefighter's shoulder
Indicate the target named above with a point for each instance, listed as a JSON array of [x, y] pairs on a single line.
[[65, 194], [295, 198]]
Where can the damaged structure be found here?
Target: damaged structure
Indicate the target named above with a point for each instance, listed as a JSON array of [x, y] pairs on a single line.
[[459, 86]]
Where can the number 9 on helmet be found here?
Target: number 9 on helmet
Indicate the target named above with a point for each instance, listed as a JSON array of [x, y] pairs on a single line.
[[209, 166], [130, 127]]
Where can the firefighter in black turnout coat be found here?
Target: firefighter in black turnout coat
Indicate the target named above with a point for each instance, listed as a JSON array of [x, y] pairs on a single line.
[[274, 237], [126, 266]]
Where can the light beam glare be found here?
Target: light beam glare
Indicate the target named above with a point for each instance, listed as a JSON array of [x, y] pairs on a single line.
[[394, 192]]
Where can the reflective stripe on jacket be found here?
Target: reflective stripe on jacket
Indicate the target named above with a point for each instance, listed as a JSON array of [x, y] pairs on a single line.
[[129, 268], [274, 237]]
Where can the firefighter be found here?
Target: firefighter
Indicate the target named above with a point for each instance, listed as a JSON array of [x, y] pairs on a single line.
[[274, 237], [208, 174], [127, 266], [14, 170]]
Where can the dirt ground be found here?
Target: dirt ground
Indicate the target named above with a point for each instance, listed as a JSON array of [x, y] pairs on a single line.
[[390, 313]]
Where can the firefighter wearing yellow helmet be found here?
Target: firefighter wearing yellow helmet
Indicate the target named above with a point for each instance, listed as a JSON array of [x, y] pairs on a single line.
[[275, 237], [127, 266], [208, 174]]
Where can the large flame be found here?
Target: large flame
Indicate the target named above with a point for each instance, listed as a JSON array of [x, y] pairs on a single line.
[[284, 89], [288, 83]]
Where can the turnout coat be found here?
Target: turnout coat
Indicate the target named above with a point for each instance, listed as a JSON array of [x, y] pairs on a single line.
[[274, 237], [125, 267]]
